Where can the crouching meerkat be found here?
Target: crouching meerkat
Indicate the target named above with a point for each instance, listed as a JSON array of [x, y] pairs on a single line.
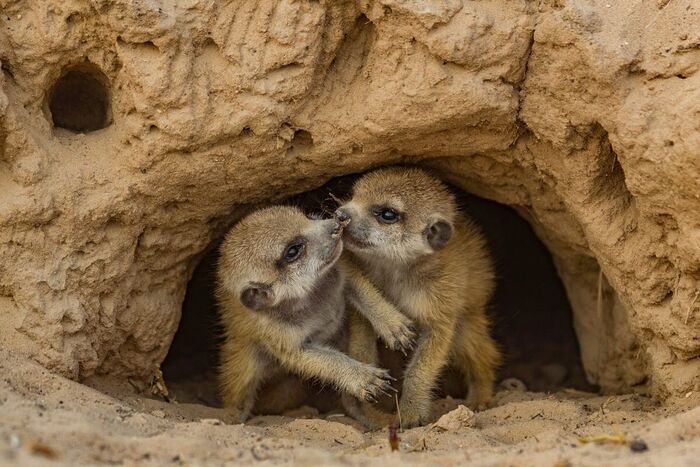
[[406, 233], [282, 307]]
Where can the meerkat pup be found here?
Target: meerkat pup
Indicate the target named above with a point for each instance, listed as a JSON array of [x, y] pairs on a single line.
[[406, 233], [282, 306]]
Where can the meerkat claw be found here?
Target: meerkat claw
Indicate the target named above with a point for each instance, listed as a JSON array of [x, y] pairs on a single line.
[[387, 377]]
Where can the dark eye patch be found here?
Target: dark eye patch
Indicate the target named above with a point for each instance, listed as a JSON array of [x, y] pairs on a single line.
[[293, 251], [386, 214]]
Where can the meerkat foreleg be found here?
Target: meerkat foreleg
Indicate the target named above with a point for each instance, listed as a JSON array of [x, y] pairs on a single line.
[[420, 378], [332, 366], [392, 326], [362, 346]]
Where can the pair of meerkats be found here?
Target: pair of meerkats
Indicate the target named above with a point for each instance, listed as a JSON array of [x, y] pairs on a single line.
[[417, 273]]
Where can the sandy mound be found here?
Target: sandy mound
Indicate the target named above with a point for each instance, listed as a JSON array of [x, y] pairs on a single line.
[[133, 134], [49, 420]]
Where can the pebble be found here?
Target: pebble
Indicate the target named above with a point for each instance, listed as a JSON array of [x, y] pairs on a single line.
[[514, 384], [15, 441], [638, 446], [461, 417], [211, 421]]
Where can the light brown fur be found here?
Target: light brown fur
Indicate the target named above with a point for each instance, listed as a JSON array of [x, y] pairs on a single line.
[[282, 316], [433, 264]]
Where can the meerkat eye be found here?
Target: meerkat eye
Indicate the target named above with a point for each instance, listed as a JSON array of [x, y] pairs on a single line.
[[386, 215], [293, 252]]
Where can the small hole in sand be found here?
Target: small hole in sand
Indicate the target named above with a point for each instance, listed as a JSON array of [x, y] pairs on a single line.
[[73, 18], [302, 138], [79, 100]]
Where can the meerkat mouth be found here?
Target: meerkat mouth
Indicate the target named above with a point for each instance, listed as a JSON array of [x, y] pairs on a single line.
[[335, 254], [357, 243]]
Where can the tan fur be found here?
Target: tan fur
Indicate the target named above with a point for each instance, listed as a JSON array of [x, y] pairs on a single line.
[[444, 289], [392, 326], [297, 327]]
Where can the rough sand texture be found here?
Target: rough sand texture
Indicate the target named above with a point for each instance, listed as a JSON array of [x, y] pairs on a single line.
[[50, 420], [584, 115]]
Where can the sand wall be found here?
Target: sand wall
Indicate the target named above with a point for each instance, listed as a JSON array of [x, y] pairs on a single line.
[[133, 133]]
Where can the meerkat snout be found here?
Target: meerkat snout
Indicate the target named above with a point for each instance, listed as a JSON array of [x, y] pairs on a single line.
[[338, 226], [343, 216]]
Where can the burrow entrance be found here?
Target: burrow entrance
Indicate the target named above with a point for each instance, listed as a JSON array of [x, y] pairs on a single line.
[[530, 311], [79, 100]]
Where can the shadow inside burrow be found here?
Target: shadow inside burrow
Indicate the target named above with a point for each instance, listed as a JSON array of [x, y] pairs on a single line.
[[530, 312], [79, 100]]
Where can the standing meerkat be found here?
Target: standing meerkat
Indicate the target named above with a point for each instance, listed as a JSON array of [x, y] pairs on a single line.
[[407, 234], [282, 306]]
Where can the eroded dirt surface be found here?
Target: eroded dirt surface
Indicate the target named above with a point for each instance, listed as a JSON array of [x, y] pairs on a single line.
[[49, 420], [582, 115]]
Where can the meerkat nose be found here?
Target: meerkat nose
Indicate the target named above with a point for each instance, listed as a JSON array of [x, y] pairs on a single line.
[[342, 216], [337, 229]]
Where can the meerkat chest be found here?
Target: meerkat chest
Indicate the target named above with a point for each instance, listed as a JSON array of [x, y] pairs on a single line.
[[326, 312], [327, 321], [405, 291]]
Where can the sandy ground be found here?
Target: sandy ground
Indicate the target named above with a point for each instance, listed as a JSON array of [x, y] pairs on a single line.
[[48, 420]]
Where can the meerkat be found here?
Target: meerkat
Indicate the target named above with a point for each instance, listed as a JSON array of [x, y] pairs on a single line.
[[282, 305], [406, 233]]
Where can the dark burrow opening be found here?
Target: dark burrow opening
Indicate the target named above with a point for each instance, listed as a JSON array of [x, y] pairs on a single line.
[[531, 315], [79, 100]]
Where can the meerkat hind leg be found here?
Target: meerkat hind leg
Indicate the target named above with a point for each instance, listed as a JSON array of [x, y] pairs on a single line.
[[478, 358], [280, 393], [240, 375], [420, 378]]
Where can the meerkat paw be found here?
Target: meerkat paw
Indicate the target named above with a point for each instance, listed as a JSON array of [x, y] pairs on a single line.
[[374, 382], [242, 415], [400, 334], [415, 411], [478, 398], [414, 416]]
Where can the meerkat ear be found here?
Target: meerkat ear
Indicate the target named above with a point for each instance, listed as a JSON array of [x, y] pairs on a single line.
[[438, 233], [256, 296]]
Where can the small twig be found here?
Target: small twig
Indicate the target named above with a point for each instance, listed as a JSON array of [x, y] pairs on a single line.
[[617, 438], [335, 198], [398, 411], [692, 305]]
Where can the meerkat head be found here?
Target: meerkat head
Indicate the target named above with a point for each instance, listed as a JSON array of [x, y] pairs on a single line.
[[398, 214], [277, 255]]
